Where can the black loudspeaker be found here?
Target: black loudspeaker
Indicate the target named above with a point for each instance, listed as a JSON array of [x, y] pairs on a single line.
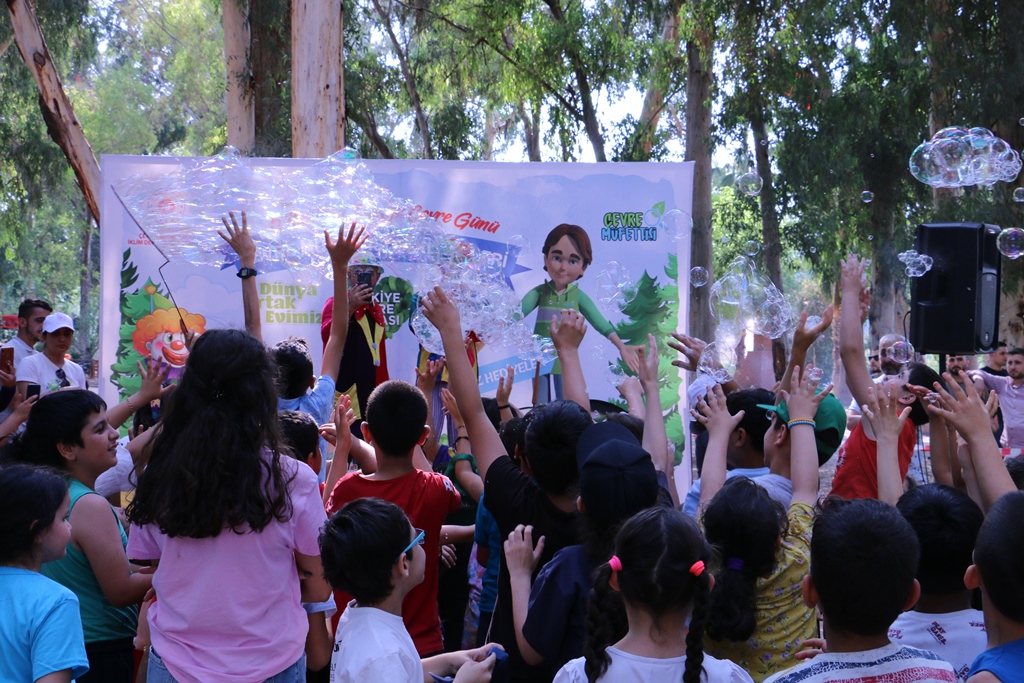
[[955, 306]]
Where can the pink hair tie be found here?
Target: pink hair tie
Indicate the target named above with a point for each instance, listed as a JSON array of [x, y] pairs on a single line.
[[615, 563], [698, 568]]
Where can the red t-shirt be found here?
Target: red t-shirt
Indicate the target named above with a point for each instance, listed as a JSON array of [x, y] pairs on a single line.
[[857, 469], [427, 498]]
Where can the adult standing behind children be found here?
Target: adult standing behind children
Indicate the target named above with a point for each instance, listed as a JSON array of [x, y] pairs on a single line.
[[1011, 397], [31, 315], [543, 494], [50, 369]]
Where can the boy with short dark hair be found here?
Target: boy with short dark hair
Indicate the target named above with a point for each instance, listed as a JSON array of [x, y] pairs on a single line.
[[370, 550], [395, 426], [302, 435], [863, 561]]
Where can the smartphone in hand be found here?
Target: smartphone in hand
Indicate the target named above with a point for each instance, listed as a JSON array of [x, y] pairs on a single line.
[[32, 390], [7, 359]]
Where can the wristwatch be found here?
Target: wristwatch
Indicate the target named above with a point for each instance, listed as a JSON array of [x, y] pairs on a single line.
[[247, 272]]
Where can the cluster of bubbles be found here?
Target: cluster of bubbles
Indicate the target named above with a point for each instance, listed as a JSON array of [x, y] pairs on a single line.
[[614, 287], [289, 208], [1010, 243], [958, 157], [916, 264]]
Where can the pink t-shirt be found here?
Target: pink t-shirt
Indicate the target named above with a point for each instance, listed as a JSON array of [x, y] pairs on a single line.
[[228, 608]]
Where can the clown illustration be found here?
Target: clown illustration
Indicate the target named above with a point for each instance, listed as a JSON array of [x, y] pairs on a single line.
[[567, 253], [159, 335]]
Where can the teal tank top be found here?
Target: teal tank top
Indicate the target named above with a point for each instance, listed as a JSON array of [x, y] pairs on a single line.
[[100, 620]]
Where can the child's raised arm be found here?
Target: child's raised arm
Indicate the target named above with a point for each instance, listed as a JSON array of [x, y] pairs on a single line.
[[443, 314], [880, 412], [964, 408], [714, 414], [243, 245], [567, 333], [851, 337], [340, 253], [803, 338], [802, 403]]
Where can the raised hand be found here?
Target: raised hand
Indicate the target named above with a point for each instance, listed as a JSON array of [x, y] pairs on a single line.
[[347, 245], [567, 330], [713, 413], [239, 239], [690, 347], [441, 312]]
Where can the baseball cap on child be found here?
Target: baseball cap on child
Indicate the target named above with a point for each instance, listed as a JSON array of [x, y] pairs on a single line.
[[58, 321], [617, 476], [829, 424]]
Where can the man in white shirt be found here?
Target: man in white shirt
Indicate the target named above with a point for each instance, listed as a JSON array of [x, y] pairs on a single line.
[[31, 314], [50, 369]]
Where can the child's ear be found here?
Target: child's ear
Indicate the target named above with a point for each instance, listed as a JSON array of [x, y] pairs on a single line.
[[365, 429], [424, 435], [312, 381], [781, 435], [580, 507], [810, 593], [972, 577], [915, 595], [740, 437], [66, 451]]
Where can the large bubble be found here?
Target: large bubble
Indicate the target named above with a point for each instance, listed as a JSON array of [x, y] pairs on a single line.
[[699, 276], [956, 157], [744, 298], [749, 183], [1010, 243]]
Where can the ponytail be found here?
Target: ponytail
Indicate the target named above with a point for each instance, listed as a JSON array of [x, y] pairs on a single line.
[[695, 636], [605, 623]]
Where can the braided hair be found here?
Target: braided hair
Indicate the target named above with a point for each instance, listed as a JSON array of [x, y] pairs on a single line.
[[658, 547]]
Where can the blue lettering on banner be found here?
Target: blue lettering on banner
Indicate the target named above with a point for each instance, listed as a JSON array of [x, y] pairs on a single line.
[[525, 370]]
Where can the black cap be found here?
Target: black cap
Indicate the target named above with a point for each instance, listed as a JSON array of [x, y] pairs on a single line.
[[617, 476]]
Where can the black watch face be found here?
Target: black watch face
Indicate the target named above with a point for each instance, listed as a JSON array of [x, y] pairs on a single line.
[[246, 272]]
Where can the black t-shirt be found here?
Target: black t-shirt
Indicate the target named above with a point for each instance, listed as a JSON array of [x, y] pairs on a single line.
[[555, 624], [997, 373], [514, 498]]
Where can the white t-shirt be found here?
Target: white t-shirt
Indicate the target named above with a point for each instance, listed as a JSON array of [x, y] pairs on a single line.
[[629, 668], [957, 637], [121, 477], [21, 352], [888, 663], [39, 370], [373, 645]]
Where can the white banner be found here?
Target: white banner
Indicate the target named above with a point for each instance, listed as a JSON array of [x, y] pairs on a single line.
[[635, 214]]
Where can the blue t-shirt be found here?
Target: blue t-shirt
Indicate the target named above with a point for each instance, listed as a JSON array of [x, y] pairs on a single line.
[[555, 619], [41, 628], [487, 534], [693, 495], [1005, 662], [319, 404]]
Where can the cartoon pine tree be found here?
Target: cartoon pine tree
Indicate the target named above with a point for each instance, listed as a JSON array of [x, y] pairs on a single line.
[[134, 305], [655, 310]]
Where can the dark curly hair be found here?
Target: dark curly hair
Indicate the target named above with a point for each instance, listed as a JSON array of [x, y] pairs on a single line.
[[216, 462], [657, 548]]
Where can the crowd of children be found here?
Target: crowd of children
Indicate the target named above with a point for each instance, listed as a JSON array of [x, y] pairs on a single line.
[[545, 546]]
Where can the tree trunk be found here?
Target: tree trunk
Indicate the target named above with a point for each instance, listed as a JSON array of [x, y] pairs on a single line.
[[884, 273], [270, 26], [937, 21], [654, 100], [699, 53], [410, 81], [318, 89], [369, 125], [61, 123], [531, 129], [85, 287], [770, 238], [241, 121]]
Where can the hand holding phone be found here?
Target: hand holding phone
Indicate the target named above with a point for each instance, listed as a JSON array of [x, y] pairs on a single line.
[[32, 390]]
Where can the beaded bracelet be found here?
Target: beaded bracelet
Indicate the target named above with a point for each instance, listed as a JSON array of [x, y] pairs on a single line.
[[793, 423]]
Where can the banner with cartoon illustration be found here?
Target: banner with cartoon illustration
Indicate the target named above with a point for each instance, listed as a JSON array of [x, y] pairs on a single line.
[[634, 216]]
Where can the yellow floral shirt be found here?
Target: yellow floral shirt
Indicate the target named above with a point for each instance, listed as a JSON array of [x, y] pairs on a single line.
[[783, 621]]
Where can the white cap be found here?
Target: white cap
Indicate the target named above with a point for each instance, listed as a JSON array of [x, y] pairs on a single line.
[[57, 321]]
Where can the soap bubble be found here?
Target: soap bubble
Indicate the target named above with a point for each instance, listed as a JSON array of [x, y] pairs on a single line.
[[613, 285], [749, 184], [901, 351], [1018, 194], [1010, 243], [956, 157], [814, 374], [652, 218], [751, 248], [1021, 121], [428, 335], [698, 276], [744, 298], [867, 196], [814, 250], [710, 363], [812, 321]]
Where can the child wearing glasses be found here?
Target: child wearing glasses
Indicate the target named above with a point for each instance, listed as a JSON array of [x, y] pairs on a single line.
[[371, 551], [50, 369], [396, 427]]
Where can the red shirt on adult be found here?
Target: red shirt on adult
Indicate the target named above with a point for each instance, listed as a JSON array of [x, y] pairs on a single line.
[[427, 498], [857, 469]]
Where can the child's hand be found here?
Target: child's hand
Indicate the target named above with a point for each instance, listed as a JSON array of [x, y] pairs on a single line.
[[21, 407], [630, 389], [852, 276], [426, 378], [805, 336], [880, 412], [154, 374], [801, 399], [448, 555], [441, 312], [339, 433], [239, 239], [815, 647], [520, 555], [346, 246], [962, 407], [475, 666], [713, 413], [690, 347], [568, 330], [452, 408], [648, 357], [504, 390]]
